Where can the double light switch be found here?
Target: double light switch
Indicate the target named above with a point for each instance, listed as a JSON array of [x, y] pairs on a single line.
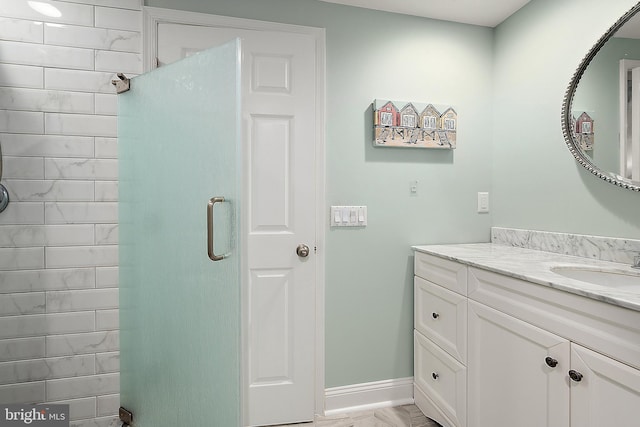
[[348, 216]]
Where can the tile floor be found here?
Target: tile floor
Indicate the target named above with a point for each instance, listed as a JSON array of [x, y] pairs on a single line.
[[399, 416]]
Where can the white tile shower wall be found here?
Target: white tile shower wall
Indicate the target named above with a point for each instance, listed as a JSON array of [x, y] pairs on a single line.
[[59, 235]]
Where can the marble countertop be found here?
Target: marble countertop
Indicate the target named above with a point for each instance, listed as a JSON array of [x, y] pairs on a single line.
[[535, 266]]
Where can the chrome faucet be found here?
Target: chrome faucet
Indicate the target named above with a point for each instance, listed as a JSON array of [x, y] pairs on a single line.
[[636, 261]]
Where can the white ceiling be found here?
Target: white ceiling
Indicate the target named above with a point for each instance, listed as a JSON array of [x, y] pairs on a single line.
[[488, 13]]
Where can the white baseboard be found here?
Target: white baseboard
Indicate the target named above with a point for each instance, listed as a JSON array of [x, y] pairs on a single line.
[[374, 395]]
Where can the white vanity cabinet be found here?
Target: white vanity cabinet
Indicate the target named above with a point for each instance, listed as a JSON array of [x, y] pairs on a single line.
[[532, 356], [519, 375], [440, 339], [597, 376]]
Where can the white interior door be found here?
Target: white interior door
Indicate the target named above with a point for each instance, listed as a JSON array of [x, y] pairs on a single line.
[[279, 205]]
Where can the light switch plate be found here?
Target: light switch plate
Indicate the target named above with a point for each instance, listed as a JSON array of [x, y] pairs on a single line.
[[348, 216], [483, 202]]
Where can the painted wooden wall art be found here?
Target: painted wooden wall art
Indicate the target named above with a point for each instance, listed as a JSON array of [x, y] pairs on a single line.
[[413, 124], [584, 129]]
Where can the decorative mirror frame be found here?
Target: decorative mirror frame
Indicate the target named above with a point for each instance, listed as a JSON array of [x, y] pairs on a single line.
[[567, 122]]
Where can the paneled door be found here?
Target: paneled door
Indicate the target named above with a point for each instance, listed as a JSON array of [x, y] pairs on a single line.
[[180, 309], [278, 228]]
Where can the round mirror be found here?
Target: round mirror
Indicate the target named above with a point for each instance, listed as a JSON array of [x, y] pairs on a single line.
[[601, 109]]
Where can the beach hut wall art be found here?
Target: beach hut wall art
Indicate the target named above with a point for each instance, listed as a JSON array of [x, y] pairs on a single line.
[[584, 127], [414, 125]]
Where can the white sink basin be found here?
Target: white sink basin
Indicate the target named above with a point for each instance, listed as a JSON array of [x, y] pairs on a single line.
[[611, 278]]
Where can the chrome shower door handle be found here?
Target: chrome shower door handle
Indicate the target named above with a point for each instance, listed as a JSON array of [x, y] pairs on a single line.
[[210, 248]]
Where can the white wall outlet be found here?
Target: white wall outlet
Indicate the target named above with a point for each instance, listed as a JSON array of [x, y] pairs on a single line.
[[483, 202]]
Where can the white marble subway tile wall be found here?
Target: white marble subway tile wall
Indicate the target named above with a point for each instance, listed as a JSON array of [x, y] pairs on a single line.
[[59, 235]]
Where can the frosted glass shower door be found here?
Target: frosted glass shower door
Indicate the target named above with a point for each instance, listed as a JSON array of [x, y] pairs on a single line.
[[178, 130]]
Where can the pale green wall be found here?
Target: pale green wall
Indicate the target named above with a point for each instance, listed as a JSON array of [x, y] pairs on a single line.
[[369, 287], [537, 184], [533, 179]]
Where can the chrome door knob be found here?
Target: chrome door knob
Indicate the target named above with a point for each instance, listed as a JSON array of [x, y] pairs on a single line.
[[302, 251]]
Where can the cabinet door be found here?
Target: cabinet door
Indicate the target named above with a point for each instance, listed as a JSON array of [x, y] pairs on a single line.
[[608, 393], [509, 381]]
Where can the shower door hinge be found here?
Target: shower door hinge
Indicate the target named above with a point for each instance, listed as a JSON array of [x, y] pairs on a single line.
[[123, 84], [125, 416]]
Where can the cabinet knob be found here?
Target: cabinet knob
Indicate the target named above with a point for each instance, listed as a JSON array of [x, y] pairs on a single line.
[[575, 376], [551, 362], [435, 315], [435, 375]]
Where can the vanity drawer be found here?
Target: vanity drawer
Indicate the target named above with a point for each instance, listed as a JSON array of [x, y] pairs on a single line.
[[448, 274], [441, 316], [440, 383]]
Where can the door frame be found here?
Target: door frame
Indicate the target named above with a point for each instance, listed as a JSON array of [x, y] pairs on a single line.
[[153, 16], [625, 66]]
